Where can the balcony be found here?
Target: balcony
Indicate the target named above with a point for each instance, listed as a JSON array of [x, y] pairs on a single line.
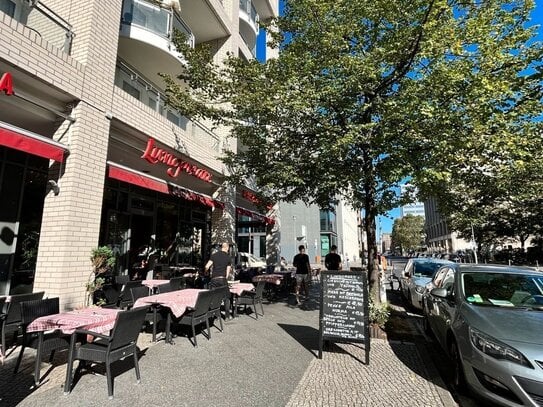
[[248, 23], [146, 38], [42, 20], [208, 19], [266, 9], [135, 84]]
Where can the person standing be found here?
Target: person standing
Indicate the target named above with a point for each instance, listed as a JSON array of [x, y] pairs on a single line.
[[220, 264], [303, 271], [332, 260]]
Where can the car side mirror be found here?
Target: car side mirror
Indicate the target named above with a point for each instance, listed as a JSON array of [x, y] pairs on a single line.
[[440, 292], [406, 274]]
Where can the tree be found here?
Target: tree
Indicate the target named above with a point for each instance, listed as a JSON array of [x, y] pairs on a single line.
[[408, 232], [365, 93]]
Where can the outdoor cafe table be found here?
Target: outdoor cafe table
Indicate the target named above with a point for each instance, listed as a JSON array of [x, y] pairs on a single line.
[[177, 301], [100, 320], [269, 278], [238, 288], [152, 284]]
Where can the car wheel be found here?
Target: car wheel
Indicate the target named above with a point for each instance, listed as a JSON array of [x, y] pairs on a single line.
[[458, 379]]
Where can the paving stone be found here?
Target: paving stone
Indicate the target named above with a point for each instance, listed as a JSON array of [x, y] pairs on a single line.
[[271, 361]]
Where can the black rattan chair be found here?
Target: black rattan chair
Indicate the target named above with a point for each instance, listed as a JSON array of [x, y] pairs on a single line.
[[108, 349], [154, 313], [12, 319], [177, 283], [214, 312], [252, 298], [43, 343], [197, 315], [165, 288], [125, 296]]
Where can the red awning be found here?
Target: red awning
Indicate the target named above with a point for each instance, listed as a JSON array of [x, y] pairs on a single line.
[[24, 140], [256, 216], [139, 179], [134, 177]]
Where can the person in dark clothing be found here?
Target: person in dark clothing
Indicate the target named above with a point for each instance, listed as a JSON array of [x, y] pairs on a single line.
[[332, 260], [220, 265], [303, 271]]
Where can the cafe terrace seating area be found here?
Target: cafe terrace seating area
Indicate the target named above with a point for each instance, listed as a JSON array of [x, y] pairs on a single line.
[[101, 335]]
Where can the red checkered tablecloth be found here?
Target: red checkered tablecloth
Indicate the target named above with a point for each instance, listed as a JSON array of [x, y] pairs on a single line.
[[238, 288], [95, 319], [154, 283], [269, 278], [177, 301]]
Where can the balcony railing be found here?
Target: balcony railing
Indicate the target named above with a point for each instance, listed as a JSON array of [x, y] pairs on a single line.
[[133, 83], [247, 7], [42, 20], [151, 17]]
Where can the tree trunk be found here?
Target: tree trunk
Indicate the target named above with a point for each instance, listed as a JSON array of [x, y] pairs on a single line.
[[370, 212]]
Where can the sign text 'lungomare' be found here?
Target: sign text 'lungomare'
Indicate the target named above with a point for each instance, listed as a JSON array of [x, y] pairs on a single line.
[[154, 154]]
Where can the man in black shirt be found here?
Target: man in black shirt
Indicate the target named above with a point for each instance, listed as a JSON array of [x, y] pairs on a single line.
[[303, 271], [332, 260], [220, 264]]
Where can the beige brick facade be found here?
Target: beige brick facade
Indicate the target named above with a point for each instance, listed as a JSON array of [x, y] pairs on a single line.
[[97, 108]]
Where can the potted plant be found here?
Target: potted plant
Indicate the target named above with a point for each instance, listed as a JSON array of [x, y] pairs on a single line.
[[102, 260]]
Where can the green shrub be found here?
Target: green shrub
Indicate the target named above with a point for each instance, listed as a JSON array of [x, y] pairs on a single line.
[[378, 313]]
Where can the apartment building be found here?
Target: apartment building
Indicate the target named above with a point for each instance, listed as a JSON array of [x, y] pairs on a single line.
[[89, 153], [318, 230]]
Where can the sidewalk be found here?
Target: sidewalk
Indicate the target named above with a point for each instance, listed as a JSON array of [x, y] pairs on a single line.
[[266, 362]]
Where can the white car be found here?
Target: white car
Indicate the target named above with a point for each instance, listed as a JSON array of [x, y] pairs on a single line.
[[418, 272], [250, 261]]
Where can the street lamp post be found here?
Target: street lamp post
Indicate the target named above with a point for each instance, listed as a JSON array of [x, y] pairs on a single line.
[[295, 237]]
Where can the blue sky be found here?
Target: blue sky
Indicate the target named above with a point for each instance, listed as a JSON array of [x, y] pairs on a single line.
[[387, 221]]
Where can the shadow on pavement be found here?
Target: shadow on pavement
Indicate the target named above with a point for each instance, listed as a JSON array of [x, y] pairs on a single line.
[[306, 336], [409, 344], [14, 388]]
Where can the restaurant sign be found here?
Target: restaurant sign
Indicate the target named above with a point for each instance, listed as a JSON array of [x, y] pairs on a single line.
[[154, 155], [6, 84]]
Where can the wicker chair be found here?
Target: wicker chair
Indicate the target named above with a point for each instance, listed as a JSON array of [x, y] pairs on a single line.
[[165, 288], [43, 343], [108, 349], [219, 294], [252, 298], [11, 321], [154, 314], [177, 283], [197, 315], [125, 296]]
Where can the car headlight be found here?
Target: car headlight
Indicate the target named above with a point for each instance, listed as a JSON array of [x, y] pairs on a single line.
[[499, 350], [420, 289]]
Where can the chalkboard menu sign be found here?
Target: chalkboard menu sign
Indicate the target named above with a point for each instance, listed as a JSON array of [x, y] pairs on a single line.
[[344, 308]]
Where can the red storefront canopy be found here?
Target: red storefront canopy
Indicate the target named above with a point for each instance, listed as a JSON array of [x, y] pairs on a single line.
[[24, 140], [134, 177], [256, 216]]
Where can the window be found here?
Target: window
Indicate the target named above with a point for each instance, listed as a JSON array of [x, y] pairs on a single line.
[[8, 7], [131, 90]]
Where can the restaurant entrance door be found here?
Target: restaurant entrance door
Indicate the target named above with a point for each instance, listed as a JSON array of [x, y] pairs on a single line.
[[142, 243]]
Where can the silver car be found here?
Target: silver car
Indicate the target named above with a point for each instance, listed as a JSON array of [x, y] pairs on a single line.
[[490, 320], [417, 273]]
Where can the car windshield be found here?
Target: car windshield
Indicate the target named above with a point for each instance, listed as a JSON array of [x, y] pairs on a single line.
[[503, 289], [425, 269]]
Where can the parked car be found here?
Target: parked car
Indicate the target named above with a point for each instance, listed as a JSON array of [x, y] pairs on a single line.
[[490, 320], [417, 273]]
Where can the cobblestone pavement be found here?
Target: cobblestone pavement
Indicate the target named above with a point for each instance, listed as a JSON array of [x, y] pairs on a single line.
[[271, 361]]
